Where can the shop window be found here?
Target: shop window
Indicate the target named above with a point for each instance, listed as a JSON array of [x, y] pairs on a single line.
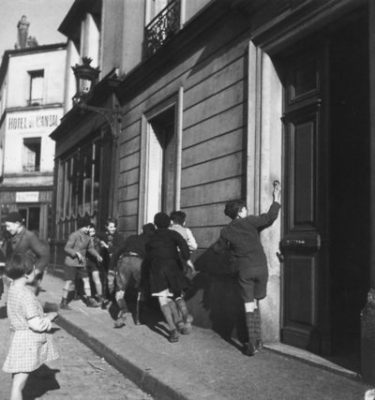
[[36, 87], [31, 154], [79, 183]]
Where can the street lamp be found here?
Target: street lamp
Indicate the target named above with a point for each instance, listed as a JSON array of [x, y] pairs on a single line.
[[86, 78]]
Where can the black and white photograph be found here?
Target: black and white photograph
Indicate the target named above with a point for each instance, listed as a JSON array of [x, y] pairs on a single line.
[[187, 199]]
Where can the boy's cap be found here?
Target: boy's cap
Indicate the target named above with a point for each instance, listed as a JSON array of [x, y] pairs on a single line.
[[14, 217], [83, 221]]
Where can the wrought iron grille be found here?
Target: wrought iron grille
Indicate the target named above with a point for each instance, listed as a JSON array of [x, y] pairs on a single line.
[[162, 27]]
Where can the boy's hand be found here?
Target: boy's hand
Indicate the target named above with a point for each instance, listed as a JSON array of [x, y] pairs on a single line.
[[190, 264], [276, 194]]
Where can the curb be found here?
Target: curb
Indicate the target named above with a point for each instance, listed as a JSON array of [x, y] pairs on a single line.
[[142, 378]]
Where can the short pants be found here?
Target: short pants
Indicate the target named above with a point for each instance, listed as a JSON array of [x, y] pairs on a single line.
[[253, 282], [128, 271], [73, 273]]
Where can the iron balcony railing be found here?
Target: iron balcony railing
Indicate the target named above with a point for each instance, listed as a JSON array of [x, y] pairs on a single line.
[[162, 28]]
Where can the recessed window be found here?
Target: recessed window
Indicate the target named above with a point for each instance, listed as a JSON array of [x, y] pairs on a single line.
[[162, 161], [31, 154], [36, 87]]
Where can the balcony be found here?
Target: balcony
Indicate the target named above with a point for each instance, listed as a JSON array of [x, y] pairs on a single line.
[[162, 28], [34, 102]]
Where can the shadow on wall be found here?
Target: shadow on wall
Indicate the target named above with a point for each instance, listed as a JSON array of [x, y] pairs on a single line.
[[214, 298]]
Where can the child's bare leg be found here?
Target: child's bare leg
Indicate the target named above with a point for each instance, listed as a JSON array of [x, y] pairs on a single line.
[[121, 302], [177, 317], [187, 317], [167, 312], [90, 302], [98, 283], [18, 384], [68, 287]]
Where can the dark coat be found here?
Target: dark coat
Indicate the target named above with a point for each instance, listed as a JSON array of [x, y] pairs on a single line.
[[163, 252], [242, 236], [26, 242]]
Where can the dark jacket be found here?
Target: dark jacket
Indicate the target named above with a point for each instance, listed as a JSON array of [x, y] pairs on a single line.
[[26, 242], [242, 236], [113, 242], [132, 244], [163, 252]]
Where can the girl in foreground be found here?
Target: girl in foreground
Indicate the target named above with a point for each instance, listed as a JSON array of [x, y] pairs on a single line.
[[31, 345]]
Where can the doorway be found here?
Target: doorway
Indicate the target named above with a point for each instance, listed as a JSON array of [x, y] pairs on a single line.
[[162, 161], [31, 215], [325, 241]]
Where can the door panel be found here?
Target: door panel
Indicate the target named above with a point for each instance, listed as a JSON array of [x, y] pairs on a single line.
[[304, 200]]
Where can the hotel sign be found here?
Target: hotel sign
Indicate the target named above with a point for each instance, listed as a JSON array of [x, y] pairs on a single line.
[[27, 197], [34, 121]]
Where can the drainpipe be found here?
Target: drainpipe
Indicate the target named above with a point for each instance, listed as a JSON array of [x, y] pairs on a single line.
[[368, 313]]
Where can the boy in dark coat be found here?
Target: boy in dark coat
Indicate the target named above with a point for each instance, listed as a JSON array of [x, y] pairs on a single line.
[[167, 281], [241, 238], [23, 241], [109, 241]]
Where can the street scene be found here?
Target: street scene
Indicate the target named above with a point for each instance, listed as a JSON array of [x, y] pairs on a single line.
[[187, 199], [78, 374]]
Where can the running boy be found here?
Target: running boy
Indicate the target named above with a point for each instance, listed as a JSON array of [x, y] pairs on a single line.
[[166, 277], [78, 244]]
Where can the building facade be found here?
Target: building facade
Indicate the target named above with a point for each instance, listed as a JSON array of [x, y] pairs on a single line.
[[31, 106], [218, 99]]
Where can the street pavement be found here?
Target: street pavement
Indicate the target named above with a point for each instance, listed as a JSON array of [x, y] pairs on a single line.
[[201, 366], [78, 374]]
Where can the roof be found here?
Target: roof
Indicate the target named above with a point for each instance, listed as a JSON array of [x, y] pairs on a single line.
[[71, 25], [21, 52]]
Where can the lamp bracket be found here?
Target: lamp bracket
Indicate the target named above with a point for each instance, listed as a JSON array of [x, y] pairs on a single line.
[[111, 115]]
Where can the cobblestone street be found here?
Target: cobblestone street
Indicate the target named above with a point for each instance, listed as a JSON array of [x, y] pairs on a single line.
[[78, 374]]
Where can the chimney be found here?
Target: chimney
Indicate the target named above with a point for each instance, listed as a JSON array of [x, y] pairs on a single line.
[[23, 31]]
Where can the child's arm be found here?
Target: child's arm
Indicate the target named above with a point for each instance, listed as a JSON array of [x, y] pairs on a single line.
[[190, 264], [40, 324], [191, 242]]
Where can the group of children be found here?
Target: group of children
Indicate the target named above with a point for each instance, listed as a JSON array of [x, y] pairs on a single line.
[[158, 259], [161, 254]]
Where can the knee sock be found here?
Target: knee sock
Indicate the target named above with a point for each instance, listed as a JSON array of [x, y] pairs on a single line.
[[251, 327], [167, 312], [258, 325], [183, 309], [121, 302], [175, 313]]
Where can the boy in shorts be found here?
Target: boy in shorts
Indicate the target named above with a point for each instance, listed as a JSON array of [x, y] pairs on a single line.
[[78, 244], [241, 238]]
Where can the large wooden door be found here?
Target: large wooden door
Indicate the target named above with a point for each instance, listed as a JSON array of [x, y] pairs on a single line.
[[303, 245]]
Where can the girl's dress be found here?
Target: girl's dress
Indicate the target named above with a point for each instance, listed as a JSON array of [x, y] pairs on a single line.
[[28, 349]]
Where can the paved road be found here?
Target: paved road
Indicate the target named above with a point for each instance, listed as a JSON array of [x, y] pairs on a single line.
[[78, 374]]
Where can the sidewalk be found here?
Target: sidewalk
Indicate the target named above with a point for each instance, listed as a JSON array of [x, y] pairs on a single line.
[[201, 366]]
